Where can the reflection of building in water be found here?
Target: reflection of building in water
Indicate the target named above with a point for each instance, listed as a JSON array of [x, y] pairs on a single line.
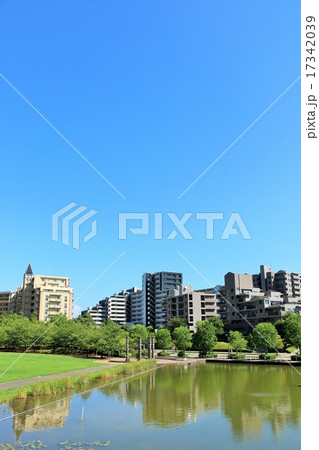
[[40, 419]]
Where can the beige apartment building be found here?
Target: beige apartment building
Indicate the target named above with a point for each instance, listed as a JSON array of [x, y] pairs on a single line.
[[264, 297], [43, 295], [192, 306], [5, 299]]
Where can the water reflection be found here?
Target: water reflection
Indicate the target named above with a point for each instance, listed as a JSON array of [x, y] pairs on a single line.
[[247, 396], [38, 419]]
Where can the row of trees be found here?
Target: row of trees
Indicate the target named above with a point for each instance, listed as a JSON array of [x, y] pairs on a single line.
[[81, 335]]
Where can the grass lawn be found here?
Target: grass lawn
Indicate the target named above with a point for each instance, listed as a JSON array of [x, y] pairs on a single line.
[[34, 365]]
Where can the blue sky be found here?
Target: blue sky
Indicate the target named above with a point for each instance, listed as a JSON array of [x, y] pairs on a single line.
[[151, 93]]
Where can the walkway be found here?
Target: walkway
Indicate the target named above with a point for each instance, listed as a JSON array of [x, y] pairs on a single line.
[[25, 382]]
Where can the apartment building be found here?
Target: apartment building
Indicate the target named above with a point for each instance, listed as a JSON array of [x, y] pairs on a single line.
[[192, 306], [116, 307], [137, 307], [288, 283], [250, 299], [5, 300], [97, 312], [147, 303], [43, 296]]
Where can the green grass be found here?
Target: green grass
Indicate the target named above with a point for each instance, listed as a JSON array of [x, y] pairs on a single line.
[[78, 382], [221, 346], [34, 364]]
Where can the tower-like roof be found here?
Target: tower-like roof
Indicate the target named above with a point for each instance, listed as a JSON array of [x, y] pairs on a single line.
[[29, 270]]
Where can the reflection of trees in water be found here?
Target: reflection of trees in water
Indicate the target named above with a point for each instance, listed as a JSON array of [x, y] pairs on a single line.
[[248, 395], [254, 395], [171, 396]]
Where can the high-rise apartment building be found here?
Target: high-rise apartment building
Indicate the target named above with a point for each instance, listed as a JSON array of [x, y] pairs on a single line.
[[155, 287], [137, 307], [43, 295]]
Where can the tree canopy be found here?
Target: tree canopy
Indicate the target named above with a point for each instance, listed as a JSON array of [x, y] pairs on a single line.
[[183, 339], [264, 337], [204, 339], [163, 339], [176, 322], [237, 340]]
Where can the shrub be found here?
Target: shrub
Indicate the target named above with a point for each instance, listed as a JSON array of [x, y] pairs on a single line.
[[290, 349], [212, 355], [295, 357], [268, 356], [163, 353], [237, 356]]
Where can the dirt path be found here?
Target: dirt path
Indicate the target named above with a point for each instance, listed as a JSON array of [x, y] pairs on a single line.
[[18, 383]]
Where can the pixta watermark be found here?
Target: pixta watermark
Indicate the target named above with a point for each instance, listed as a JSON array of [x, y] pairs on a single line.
[[138, 223], [65, 227]]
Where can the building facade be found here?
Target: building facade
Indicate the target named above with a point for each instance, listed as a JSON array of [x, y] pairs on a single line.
[[155, 287], [97, 312], [287, 283], [137, 307], [116, 307], [5, 300], [192, 306], [43, 296], [264, 297]]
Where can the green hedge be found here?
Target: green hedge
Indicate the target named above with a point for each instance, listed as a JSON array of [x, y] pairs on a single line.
[[268, 356], [237, 356]]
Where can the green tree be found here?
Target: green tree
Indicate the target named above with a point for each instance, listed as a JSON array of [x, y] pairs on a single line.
[[183, 339], [264, 337], [138, 331], [280, 343], [176, 322], [19, 332], [163, 339], [237, 340], [292, 329], [205, 337], [218, 325], [112, 339], [3, 335], [85, 319]]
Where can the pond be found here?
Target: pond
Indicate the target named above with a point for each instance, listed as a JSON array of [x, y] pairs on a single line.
[[204, 406]]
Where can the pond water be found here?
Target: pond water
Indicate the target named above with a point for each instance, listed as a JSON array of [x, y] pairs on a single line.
[[204, 406]]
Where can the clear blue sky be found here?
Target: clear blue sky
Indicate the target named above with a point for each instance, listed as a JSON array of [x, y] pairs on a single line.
[[151, 93]]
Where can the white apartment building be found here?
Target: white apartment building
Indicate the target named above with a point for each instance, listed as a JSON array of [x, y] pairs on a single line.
[[97, 312], [116, 307]]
